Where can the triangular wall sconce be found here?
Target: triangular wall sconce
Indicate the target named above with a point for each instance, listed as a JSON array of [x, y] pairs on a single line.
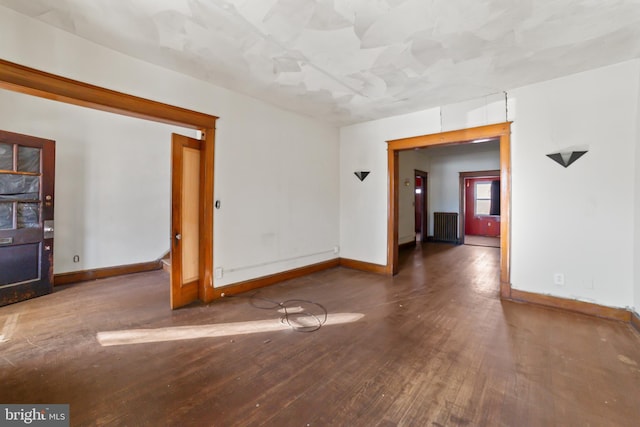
[[565, 159], [362, 174]]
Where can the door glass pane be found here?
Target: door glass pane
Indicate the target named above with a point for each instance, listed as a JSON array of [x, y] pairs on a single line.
[[6, 157], [28, 215], [6, 216], [483, 198], [483, 207], [19, 187], [483, 190], [28, 159]]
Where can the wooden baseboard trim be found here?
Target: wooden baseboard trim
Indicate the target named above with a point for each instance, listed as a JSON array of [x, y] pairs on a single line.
[[408, 245], [363, 266], [635, 320], [103, 273], [571, 305], [432, 239], [272, 279]]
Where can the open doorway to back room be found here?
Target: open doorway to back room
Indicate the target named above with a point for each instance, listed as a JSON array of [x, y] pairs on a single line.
[[480, 208], [498, 134]]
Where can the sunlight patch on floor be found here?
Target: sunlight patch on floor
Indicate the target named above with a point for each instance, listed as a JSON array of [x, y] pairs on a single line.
[[140, 336], [9, 326]]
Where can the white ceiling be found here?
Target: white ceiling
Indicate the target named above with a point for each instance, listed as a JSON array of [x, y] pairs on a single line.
[[347, 61]]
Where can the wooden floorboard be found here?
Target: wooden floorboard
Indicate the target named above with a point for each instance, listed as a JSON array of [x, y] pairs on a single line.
[[436, 347]]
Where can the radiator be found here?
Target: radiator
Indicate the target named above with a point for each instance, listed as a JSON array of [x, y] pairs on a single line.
[[445, 227]]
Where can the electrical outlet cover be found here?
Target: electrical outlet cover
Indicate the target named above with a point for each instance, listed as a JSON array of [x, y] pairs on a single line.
[[558, 279]]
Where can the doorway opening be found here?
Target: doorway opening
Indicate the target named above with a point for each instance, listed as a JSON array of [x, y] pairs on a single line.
[[480, 208], [421, 206], [500, 132], [30, 81]]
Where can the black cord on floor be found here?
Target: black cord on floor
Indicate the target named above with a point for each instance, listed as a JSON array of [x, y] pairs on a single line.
[[300, 314]]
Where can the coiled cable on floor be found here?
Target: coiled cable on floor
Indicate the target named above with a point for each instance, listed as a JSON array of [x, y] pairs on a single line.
[[300, 314]]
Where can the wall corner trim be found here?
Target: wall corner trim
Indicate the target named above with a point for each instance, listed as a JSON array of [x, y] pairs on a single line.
[[103, 273], [575, 306], [407, 245], [363, 266], [272, 279], [635, 320]]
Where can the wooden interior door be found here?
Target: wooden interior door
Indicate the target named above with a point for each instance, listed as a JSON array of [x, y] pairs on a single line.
[[185, 219], [26, 216]]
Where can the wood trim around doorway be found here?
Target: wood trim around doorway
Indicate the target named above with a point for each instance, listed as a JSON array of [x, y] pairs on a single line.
[[502, 131], [30, 81]]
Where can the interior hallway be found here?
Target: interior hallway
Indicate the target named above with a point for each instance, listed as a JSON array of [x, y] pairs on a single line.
[[436, 347]]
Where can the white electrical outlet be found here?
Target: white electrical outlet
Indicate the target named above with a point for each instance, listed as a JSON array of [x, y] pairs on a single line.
[[336, 249], [218, 272], [558, 279]]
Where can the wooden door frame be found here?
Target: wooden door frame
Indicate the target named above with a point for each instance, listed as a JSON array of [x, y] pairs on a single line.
[[38, 83], [463, 208], [501, 131], [424, 225]]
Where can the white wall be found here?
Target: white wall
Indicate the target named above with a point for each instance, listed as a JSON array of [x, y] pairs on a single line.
[[636, 225], [276, 172], [363, 205], [574, 221], [364, 237], [277, 179], [474, 112]]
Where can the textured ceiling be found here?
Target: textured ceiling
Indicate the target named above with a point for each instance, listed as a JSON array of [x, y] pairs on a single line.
[[347, 61]]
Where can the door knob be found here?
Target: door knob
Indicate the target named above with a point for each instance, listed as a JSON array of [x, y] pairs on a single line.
[[178, 236]]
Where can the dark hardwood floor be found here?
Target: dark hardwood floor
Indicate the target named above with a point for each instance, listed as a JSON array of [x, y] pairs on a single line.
[[436, 347]]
